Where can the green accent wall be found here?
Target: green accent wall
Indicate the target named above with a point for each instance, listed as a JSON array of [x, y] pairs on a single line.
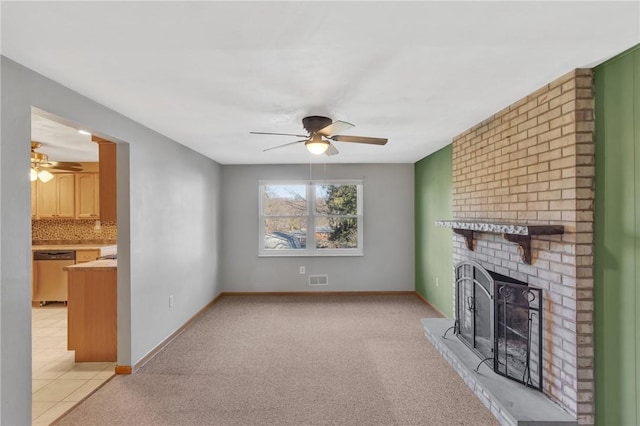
[[434, 246], [617, 240]]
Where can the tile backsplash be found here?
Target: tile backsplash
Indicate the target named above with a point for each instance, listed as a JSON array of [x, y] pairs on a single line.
[[66, 230]]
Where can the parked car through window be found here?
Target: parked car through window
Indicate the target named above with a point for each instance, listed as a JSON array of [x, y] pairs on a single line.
[[311, 219]]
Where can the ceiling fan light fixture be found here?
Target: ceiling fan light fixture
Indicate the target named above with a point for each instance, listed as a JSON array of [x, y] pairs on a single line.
[[316, 145], [44, 176]]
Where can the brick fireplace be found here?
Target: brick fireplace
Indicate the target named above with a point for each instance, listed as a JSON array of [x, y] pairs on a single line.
[[533, 164]]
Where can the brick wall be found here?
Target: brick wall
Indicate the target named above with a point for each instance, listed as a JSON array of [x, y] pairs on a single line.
[[533, 163]]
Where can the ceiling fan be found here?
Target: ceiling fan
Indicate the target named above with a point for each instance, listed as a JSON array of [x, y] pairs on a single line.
[[322, 130], [40, 162]]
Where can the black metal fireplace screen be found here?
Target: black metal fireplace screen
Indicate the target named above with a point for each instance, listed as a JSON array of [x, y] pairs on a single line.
[[499, 318]]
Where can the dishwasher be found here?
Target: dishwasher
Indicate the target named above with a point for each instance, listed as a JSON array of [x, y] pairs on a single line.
[[49, 277]]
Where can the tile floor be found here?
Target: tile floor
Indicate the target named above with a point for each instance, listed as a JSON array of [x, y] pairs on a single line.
[[58, 382]]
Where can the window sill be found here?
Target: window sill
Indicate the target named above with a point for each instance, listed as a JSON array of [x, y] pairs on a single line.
[[293, 254]]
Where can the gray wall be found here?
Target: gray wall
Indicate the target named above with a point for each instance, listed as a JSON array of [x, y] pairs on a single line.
[[168, 241], [388, 261]]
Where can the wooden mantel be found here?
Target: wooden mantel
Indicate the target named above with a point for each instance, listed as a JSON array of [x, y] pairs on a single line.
[[516, 233]]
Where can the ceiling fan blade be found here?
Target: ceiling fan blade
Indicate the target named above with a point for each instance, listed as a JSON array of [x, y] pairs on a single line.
[[282, 146], [278, 134], [332, 150], [59, 164], [335, 127], [67, 168], [66, 163], [360, 139]]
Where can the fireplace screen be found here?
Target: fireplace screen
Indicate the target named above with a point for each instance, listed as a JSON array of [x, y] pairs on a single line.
[[498, 317], [474, 311]]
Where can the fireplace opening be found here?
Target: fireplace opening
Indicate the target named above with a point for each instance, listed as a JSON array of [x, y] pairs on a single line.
[[498, 317]]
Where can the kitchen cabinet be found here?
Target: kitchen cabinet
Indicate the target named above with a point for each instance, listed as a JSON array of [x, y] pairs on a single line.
[[92, 311], [34, 201], [56, 198], [87, 196], [83, 253], [108, 179], [67, 195], [83, 256]]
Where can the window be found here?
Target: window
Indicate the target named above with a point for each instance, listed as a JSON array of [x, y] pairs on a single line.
[[311, 219]]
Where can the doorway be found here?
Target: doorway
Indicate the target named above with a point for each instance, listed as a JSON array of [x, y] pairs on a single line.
[[65, 215]]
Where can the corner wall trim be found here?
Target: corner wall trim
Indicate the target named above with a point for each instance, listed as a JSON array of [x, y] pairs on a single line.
[[123, 369], [153, 352], [319, 293], [169, 339], [421, 297]]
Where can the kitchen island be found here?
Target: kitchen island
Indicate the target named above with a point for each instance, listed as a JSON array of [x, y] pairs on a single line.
[[85, 251], [48, 277], [92, 310], [102, 248]]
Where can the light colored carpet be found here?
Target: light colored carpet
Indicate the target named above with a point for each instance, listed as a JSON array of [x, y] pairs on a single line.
[[293, 360]]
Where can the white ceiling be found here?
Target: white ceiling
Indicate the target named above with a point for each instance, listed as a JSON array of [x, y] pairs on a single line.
[[61, 142], [208, 73]]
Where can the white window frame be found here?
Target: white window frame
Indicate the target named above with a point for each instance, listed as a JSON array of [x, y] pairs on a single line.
[[311, 215]]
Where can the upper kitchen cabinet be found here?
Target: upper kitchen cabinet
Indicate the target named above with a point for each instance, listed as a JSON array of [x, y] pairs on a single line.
[[87, 195], [34, 200], [108, 179], [56, 198], [76, 195]]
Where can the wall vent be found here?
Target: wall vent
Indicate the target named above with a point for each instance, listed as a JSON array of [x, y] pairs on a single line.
[[318, 280]]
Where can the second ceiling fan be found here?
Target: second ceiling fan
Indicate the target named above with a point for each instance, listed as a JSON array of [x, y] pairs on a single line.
[[322, 130], [40, 162]]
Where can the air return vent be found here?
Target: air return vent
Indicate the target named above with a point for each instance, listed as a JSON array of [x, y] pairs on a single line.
[[318, 280]]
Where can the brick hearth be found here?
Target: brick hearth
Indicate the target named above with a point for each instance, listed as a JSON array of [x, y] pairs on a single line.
[[533, 163]]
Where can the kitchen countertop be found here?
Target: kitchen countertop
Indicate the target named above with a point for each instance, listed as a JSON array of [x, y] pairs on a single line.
[[96, 265], [105, 249]]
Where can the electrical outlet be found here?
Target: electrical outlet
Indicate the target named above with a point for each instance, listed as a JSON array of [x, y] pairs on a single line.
[[437, 281], [302, 270], [171, 301]]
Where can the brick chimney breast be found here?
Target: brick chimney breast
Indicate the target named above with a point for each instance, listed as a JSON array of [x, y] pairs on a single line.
[[533, 163]]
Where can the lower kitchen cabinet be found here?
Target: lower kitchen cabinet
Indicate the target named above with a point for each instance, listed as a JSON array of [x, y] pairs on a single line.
[[92, 313], [83, 256]]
